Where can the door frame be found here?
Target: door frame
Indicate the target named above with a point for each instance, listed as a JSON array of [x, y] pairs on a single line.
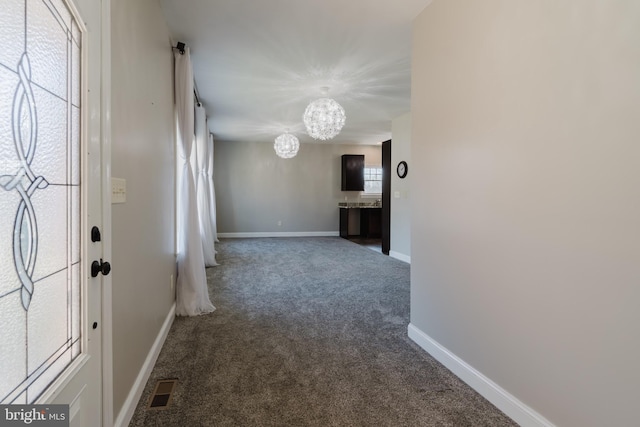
[[386, 197], [107, 300]]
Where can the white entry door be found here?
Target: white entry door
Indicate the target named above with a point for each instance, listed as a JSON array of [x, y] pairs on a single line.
[[51, 196]]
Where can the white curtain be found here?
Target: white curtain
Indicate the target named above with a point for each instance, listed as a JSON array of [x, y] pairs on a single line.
[[201, 153], [212, 191], [192, 294]]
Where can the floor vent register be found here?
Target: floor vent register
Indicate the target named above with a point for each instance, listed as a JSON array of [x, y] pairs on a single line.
[[161, 397]]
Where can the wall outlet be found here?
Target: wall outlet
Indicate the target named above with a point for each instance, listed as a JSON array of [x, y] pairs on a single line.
[[171, 283], [279, 223]]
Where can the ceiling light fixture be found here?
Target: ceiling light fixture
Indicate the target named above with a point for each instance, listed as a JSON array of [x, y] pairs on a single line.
[[324, 117], [286, 145]]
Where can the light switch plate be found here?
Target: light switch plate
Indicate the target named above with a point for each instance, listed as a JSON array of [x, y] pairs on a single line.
[[118, 190]]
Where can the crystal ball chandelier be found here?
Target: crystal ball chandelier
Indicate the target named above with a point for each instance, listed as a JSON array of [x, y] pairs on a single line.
[[286, 145], [324, 118]]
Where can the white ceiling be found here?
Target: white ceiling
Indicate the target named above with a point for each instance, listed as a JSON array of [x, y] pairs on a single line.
[[258, 63]]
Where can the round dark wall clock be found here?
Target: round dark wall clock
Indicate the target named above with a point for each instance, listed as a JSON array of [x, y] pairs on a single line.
[[402, 169]]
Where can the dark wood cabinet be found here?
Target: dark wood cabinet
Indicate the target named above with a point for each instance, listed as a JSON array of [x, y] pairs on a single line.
[[344, 222], [370, 222], [352, 172]]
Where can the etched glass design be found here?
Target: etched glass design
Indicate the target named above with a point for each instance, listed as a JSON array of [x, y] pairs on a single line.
[[39, 196]]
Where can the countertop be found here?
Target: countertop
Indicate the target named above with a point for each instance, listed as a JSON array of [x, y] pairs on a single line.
[[360, 205]]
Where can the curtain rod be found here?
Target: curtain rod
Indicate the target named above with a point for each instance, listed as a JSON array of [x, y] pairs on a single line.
[[180, 47], [195, 93]]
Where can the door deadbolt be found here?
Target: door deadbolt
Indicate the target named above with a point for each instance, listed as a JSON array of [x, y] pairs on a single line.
[[98, 267], [95, 234]]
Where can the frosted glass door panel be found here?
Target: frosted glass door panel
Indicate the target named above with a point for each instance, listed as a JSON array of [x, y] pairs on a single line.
[[40, 177]]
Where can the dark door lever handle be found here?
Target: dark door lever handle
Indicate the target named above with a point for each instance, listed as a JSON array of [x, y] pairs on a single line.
[[98, 267]]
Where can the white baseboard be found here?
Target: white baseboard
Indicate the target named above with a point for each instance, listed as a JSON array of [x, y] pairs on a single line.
[[401, 257], [129, 406], [514, 408], [280, 234]]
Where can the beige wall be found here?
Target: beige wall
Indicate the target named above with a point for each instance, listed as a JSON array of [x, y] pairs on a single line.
[[526, 228], [255, 188], [143, 154], [400, 202]]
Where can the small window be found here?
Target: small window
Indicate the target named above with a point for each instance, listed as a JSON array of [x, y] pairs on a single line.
[[373, 180]]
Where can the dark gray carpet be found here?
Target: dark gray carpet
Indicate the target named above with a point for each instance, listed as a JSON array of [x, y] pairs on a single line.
[[307, 332]]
